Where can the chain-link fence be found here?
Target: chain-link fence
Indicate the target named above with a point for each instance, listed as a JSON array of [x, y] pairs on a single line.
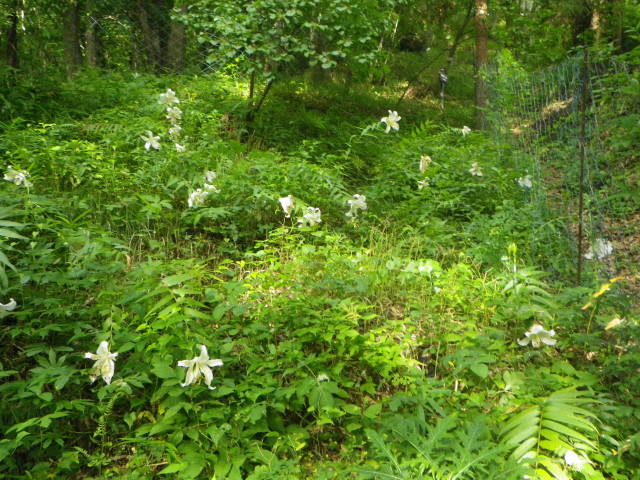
[[574, 130], [148, 36], [139, 35]]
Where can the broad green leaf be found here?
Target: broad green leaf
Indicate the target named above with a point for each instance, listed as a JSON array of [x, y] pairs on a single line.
[[373, 411], [163, 371], [480, 369], [172, 280], [173, 468]]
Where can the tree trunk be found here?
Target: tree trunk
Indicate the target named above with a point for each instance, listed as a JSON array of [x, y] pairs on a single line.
[[151, 38], [71, 39], [13, 59], [177, 43], [93, 47], [581, 22], [317, 73], [481, 60], [452, 53]]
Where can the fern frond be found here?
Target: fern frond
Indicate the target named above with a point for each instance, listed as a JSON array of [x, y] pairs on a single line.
[[546, 430]]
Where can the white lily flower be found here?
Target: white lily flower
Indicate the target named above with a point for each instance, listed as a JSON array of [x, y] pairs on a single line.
[[173, 114], [175, 130], [210, 176], [600, 249], [105, 363], [391, 121], [19, 177], [151, 141], [197, 197], [525, 182], [537, 335], [425, 267], [323, 377], [425, 161], [465, 131], [180, 148], [310, 218], [200, 365], [573, 460], [211, 188], [475, 169], [168, 98], [423, 183], [358, 202], [7, 308], [287, 205]]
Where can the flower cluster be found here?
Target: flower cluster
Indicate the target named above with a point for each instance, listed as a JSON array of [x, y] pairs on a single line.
[[174, 115], [311, 218], [475, 169], [313, 215], [198, 196], [19, 177], [537, 335], [198, 366], [465, 131], [525, 182], [425, 161], [358, 203]]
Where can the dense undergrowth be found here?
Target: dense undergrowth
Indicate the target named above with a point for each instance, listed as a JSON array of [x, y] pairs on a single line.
[[377, 346]]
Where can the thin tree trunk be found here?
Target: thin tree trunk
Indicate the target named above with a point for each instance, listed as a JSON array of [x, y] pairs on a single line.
[[93, 47], [452, 52], [71, 39], [13, 60], [151, 39], [581, 22], [177, 43], [481, 61], [317, 74]]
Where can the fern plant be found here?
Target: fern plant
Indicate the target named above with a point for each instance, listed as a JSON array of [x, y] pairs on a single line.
[[410, 448], [8, 229], [561, 423]]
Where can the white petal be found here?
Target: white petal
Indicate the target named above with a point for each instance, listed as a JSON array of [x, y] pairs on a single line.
[[9, 306], [207, 374], [204, 355]]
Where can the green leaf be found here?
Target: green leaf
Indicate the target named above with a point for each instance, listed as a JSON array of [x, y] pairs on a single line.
[[163, 371], [373, 411], [172, 280], [11, 234], [480, 369], [173, 468]]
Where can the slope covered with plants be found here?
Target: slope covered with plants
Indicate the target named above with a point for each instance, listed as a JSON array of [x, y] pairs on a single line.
[[319, 294]]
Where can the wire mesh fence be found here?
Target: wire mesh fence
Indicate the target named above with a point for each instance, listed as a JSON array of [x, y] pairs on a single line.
[[148, 36], [571, 128]]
